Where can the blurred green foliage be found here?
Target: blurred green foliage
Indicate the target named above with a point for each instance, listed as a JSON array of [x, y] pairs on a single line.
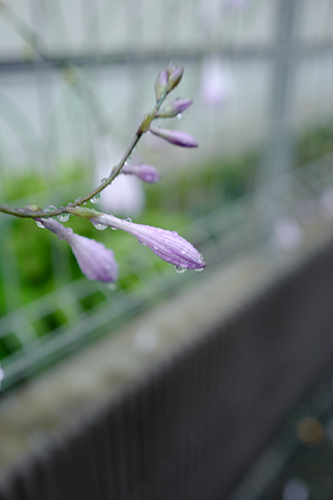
[[34, 262]]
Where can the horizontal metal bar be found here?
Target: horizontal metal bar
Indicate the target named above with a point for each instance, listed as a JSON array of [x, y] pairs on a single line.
[[296, 51]]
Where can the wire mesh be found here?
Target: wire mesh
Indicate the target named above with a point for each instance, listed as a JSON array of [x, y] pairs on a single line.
[[73, 73]]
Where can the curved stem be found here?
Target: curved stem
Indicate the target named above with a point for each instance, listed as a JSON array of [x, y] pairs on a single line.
[[33, 212]]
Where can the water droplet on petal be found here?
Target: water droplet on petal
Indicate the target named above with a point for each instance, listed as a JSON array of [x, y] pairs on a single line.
[[180, 270], [179, 116], [63, 217], [114, 228], [111, 286], [142, 243], [40, 224], [103, 180], [96, 198], [199, 269], [127, 219], [99, 226]]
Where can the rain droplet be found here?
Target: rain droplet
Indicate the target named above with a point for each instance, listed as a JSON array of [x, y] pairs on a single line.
[[78, 199], [63, 217], [180, 270], [40, 224], [142, 243], [103, 180], [96, 198], [111, 286], [99, 226], [114, 228], [127, 219], [199, 269], [50, 208], [179, 116]]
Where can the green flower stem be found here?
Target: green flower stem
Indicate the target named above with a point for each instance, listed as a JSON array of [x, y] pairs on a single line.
[[33, 212]]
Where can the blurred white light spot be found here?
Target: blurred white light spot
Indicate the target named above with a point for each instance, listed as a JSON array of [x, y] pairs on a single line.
[[146, 340], [295, 489], [125, 196], [217, 83], [287, 234]]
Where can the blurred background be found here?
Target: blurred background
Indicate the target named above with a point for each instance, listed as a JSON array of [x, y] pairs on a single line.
[[75, 80]]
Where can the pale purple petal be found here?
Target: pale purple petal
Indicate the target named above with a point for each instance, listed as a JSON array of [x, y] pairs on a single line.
[[170, 68], [174, 78], [95, 261], [145, 172], [176, 107], [161, 84], [168, 245], [176, 137]]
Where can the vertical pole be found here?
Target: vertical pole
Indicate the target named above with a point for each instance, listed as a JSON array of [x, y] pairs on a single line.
[[279, 154]]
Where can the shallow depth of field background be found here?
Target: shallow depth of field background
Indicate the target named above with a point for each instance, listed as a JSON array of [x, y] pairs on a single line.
[[75, 80]]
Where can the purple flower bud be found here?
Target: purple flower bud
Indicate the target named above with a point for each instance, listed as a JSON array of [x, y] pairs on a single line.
[[175, 78], [161, 85], [174, 108], [147, 173], [175, 137], [168, 245], [95, 261], [170, 68]]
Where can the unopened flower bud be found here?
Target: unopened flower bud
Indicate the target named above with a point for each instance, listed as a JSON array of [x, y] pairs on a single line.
[[176, 137], [170, 68], [167, 245], [175, 78], [174, 108], [161, 85], [145, 172], [94, 260]]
